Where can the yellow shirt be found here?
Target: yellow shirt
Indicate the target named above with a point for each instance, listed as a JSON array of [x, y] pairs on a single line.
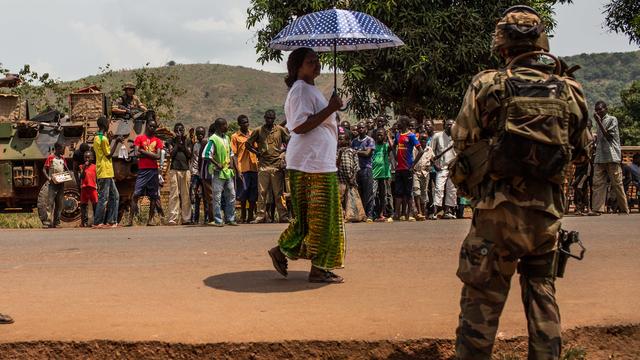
[[247, 161], [104, 167]]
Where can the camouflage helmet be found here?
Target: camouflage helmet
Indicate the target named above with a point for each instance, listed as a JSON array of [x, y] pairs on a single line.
[[128, 85], [520, 27]]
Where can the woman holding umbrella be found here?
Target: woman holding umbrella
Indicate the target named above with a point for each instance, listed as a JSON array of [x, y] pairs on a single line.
[[317, 231]]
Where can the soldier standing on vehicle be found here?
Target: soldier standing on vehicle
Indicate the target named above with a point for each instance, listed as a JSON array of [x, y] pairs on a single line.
[[127, 103], [516, 133], [10, 80]]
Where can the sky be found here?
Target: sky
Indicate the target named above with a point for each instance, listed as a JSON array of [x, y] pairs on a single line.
[[71, 39]]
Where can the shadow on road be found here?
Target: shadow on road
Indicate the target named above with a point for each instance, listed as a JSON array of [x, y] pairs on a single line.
[[262, 281]]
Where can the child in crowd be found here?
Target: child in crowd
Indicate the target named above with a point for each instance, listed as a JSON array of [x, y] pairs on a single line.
[[348, 167], [421, 174], [404, 144], [221, 168], [364, 145], [148, 149], [88, 188], [381, 168], [196, 190], [55, 164]]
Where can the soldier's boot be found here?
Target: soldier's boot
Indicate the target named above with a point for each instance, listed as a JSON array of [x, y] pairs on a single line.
[[537, 281]]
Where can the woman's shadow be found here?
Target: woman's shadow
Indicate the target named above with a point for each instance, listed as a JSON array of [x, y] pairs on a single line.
[[261, 281]]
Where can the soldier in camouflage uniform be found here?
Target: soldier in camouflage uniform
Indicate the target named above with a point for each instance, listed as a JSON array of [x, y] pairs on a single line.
[[123, 105], [516, 218]]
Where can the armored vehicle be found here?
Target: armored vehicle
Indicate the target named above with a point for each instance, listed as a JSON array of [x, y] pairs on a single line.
[[26, 142]]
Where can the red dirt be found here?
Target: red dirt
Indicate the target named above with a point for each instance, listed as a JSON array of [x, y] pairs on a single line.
[[199, 292], [615, 342]]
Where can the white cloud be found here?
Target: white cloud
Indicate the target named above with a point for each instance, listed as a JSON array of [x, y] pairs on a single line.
[[122, 48], [206, 25], [233, 22]]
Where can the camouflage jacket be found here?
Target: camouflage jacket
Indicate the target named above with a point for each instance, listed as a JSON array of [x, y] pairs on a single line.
[[478, 115], [134, 104]]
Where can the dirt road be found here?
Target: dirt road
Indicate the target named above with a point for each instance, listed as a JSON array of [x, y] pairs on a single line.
[[202, 285]]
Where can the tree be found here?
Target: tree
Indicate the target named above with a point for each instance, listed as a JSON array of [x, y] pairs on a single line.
[[623, 17], [157, 87], [158, 90], [42, 90], [628, 115], [446, 44]]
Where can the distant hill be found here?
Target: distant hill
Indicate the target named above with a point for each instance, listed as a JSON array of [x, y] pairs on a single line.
[[604, 75], [214, 91], [227, 91]]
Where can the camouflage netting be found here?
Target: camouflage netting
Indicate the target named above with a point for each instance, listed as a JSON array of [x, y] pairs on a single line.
[[86, 107], [11, 110]]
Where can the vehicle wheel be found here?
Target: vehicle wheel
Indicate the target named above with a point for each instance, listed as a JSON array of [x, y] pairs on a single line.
[[71, 209], [43, 198]]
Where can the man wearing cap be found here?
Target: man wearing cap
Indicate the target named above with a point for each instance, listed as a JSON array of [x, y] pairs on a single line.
[[517, 206], [128, 102]]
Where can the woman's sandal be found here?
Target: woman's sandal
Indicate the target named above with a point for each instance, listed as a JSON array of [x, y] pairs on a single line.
[[279, 261], [5, 319], [327, 277]]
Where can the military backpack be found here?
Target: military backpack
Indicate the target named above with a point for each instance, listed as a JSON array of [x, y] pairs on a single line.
[[532, 137]]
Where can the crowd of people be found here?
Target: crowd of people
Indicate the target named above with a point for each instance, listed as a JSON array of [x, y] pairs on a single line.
[[396, 173], [385, 173]]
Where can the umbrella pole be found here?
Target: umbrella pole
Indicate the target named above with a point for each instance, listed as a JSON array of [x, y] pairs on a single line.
[[335, 69]]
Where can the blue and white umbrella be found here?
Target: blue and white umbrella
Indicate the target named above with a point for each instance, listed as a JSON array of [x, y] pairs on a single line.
[[335, 30]]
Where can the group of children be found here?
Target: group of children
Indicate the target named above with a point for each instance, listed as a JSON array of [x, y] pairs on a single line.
[[389, 174], [95, 177]]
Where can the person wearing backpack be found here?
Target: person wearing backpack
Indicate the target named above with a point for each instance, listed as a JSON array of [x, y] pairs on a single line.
[[516, 133]]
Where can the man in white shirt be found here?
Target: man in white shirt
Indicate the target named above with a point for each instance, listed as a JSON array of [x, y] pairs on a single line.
[[444, 192], [607, 161]]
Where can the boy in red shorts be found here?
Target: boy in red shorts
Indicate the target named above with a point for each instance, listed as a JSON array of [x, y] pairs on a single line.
[[88, 188]]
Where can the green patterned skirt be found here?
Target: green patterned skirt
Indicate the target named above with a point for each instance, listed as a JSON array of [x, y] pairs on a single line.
[[316, 232]]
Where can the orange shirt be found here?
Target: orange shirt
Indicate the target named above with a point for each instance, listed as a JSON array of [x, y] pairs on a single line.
[[247, 161]]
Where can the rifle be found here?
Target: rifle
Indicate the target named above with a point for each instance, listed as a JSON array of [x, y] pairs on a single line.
[[565, 240], [442, 153], [606, 134]]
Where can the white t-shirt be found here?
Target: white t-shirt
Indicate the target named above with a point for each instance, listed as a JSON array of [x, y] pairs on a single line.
[[315, 151], [441, 142]]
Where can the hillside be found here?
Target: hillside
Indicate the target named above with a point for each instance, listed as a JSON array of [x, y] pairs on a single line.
[[214, 91], [604, 75], [227, 91]]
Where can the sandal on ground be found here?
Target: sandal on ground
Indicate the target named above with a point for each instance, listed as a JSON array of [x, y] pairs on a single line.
[[327, 278], [5, 319], [279, 261]]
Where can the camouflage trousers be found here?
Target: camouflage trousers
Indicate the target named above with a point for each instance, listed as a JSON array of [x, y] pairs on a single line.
[[499, 239]]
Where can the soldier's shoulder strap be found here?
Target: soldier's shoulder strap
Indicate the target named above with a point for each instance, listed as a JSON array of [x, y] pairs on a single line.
[[484, 77]]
